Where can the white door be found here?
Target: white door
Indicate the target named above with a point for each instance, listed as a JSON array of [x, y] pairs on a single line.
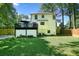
[[32, 33]]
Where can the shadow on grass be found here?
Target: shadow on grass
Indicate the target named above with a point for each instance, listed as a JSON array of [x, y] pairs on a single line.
[[72, 45], [75, 45], [26, 47]]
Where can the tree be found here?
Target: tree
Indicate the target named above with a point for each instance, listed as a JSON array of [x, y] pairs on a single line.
[[7, 14], [48, 7], [72, 13]]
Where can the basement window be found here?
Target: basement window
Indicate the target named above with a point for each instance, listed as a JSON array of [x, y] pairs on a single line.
[[48, 31]]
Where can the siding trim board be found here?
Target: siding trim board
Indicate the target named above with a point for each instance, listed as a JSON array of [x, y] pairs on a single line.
[[47, 13], [42, 20]]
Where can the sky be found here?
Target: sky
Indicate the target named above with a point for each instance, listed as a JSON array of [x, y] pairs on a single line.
[[28, 8]]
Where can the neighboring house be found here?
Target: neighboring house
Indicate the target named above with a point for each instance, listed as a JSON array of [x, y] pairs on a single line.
[[46, 23]]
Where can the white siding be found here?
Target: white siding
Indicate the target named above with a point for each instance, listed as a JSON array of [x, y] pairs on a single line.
[[50, 24]]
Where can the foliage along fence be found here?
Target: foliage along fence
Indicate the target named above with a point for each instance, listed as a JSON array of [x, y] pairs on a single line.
[[7, 31], [58, 30]]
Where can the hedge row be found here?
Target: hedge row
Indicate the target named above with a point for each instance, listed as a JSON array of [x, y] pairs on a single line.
[[7, 31]]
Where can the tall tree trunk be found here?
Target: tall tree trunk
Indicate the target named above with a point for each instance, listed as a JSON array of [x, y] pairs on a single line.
[[70, 24], [62, 21], [74, 17], [70, 16]]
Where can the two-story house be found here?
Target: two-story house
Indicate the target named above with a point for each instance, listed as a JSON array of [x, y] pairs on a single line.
[[46, 23]]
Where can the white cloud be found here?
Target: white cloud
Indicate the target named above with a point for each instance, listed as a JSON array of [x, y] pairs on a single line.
[[15, 4]]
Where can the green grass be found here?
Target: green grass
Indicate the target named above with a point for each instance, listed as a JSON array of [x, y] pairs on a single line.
[[42, 46], [26, 47]]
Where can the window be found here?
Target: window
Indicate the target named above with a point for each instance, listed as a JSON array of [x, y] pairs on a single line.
[[35, 16], [42, 23], [42, 16], [48, 31]]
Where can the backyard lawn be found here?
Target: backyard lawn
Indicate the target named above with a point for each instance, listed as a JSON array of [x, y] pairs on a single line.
[[66, 45], [44, 46], [23, 46]]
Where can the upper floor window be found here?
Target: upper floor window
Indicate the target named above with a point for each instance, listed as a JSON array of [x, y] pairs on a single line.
[[42, 16], [36, 17]]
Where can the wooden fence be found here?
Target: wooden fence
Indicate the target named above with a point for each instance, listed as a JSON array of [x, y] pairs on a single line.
[[68, 32]]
